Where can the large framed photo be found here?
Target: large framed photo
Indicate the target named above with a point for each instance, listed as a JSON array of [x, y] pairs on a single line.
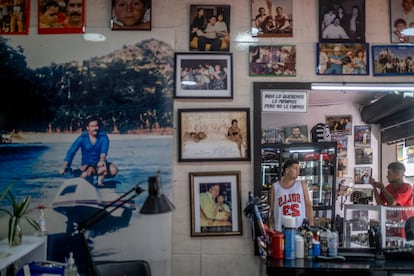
[[401, 18], [342, 59], [215, 134], [15, 17], [272, 60], [215, 203], [209, 28], [342, 21], [393, 60], [61, 17], [137, 17], [272, 18], [203, 75]]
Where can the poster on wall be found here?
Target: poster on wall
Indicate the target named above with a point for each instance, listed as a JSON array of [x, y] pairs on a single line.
[[15, 17], [58, 91]]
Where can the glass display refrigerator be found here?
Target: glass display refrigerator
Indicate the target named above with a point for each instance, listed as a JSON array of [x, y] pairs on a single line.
[[318, 169]]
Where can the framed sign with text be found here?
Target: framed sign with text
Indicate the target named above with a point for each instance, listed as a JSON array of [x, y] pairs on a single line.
[[284, 101]]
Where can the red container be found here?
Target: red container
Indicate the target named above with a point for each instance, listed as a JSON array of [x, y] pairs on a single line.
[[277, 245]]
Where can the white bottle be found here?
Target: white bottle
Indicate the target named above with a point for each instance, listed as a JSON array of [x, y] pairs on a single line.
[[300, 247], [71, 268], [42, 223], [333, 243]]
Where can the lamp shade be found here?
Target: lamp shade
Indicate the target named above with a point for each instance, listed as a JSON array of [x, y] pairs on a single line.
[[156, 202]]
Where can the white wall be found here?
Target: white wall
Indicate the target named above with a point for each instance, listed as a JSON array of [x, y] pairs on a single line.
[[212, 256]]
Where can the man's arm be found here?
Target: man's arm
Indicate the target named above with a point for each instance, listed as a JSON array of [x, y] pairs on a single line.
[[308, 203]]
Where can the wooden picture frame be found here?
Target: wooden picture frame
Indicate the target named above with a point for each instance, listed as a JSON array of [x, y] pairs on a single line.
[[272, 18], [68, 17], [17, 20], [342, 59], [203, 75], [393, 60], [139, 19], [202, 28], [400, 21], [342, 21], [214, 134], [222, 217], [272, 60]]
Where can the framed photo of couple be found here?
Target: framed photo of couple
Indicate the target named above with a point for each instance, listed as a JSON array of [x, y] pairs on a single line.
[[221, 217]]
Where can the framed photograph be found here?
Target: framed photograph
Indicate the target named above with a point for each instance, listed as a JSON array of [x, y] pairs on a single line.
[[15, 17], [215, 134], [342, 21], [272, 60], [203, 75], [209, 28], [339, 124], [272, 135], [362, 175], [138, 18], [296, 134], [362, 136], [342, 59], [341, 144], [61, 17], [272, 18], [215, 203], [401, 18], [393, 60], [342, 167], [363, 156]]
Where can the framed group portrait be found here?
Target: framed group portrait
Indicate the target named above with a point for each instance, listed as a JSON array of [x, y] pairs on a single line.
[[15, 17], [272, 60], [203, 75], [214, 134], [137, 17], [401, 19], [342, 59], [393, 60], [271, 18], [209, 28], [215, 203], [61, 16], [342, 21]]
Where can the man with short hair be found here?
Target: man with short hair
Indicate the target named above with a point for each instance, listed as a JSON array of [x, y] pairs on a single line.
[[74, 14]]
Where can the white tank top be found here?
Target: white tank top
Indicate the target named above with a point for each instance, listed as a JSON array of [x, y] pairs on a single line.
[[288, 202]]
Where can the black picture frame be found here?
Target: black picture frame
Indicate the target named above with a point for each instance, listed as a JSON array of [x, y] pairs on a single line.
[[348, 28], [203, 75], [353, 59], [205, 134], [393, 60]]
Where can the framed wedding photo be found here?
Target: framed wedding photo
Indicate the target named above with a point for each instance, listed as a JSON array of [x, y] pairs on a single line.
[[272, 18], [272, 60], [401, 18], [221, 217], [15, 17], [213, 134], [342, 59], [139, 19], [209, 28], [70, 17], [342, 21], [393, 60], [203, 75]]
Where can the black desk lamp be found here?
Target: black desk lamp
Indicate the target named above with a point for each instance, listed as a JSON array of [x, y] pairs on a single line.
[[156, 203]]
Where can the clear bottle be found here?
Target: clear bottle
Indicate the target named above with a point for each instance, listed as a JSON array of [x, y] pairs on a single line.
[[333, 243], [71, 269], [42, 223]]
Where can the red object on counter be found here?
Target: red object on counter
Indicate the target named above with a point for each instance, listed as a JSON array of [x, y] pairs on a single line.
[[277, 245]]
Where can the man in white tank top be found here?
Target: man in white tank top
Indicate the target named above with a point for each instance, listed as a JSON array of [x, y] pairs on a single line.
[[290, 197]]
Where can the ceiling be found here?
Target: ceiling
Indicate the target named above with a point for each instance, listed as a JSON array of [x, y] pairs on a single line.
[[326, 98]]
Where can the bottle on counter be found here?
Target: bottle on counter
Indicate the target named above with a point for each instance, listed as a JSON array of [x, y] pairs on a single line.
[[71, 269], [42, 223], [289, 232], [333, 243], [300, 247]]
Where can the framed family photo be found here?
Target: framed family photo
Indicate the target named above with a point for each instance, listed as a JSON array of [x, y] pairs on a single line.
[[401, 19], [342, 21], [61, 17], [222, 216], [342, 59], [393, 60], [272, 60], [214, 134], [137, 18], [203, 75], [15, 17], [272, 18], [339, 124], [209, 28]]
